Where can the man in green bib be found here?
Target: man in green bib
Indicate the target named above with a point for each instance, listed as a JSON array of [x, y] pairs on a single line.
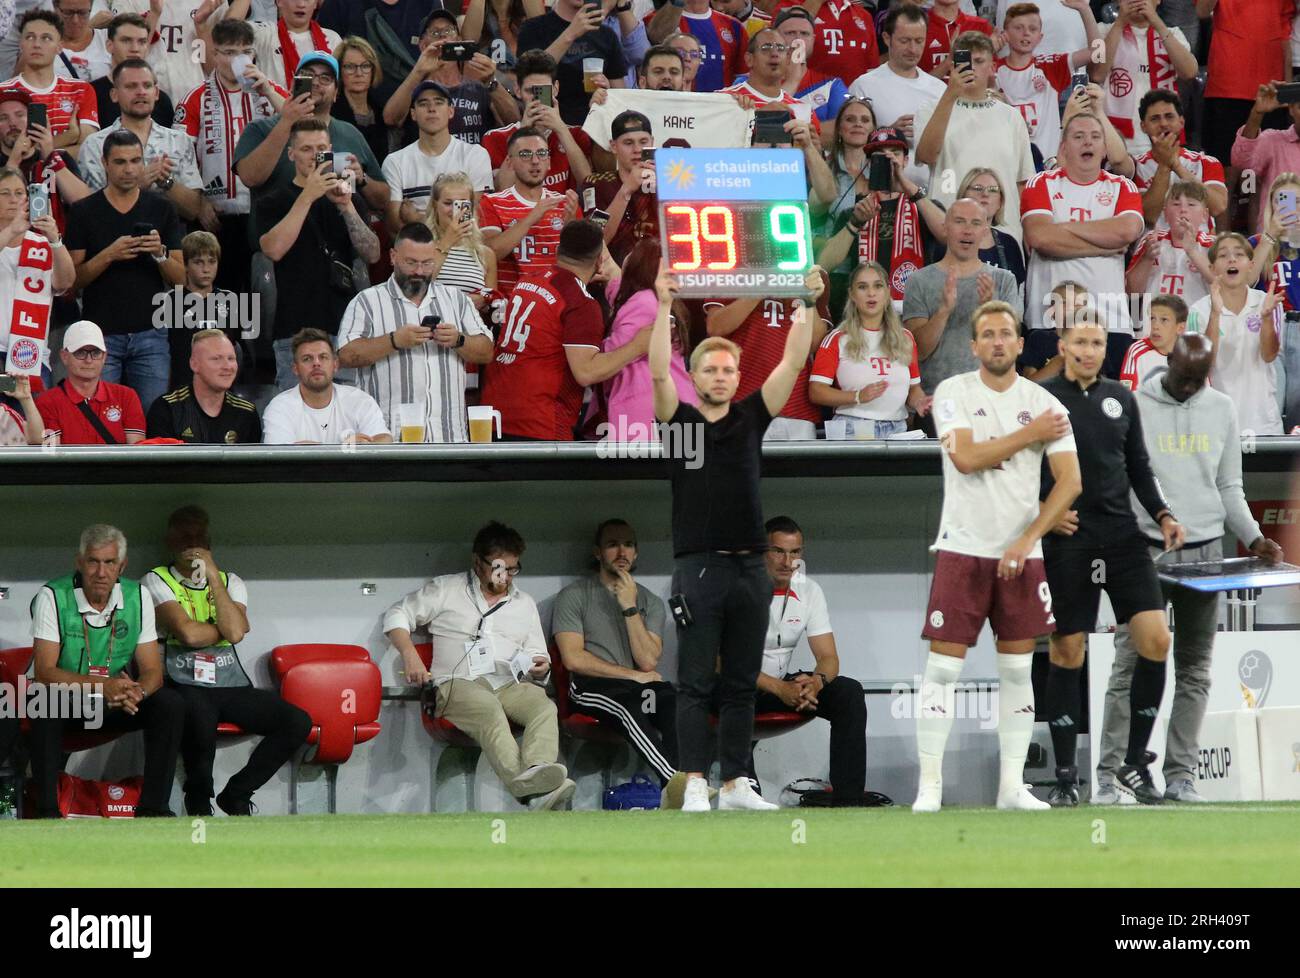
[[90, 627], [202, 613]]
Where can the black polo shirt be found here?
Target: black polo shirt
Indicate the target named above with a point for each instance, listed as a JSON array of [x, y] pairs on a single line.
[[178, 415], [1112, 460]]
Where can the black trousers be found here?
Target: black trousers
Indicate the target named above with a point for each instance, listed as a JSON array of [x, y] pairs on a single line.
[[728, 597], [644, 713], [842, 703], [9, 730], [283, 726], [161, 717]]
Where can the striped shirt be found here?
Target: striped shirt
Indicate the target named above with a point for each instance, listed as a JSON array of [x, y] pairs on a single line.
[[428, 375], [174, 143], [462, 271], [537, 248], [63, 100]]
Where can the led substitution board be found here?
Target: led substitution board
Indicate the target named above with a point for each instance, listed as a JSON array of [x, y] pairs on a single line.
[[734, 222]]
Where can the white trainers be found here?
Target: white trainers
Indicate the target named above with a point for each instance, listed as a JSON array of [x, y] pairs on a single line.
[[540, 779], [696, 796], [929, 797], [1184, 790], [553, 799], [1021, 799], [743, 797]]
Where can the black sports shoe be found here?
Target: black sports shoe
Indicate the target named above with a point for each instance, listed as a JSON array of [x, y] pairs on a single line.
[[1135, 781], [198, 805], [1065, 793], [235, 806]]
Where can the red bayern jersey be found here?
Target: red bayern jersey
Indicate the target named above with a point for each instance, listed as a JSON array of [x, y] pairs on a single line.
[[536, 250], [1141, 359], [845, 40], [939, 35], [559, 178], [529, 380], [117, 407], [761, 338], [66, 99]]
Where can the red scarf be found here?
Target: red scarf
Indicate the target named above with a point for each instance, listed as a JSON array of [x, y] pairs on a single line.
[[29, 316], [909, 253], [1121, 93], [289, 50]]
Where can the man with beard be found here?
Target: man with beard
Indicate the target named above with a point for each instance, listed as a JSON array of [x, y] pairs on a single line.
[[29, 149], [401, 360], [319, 411]]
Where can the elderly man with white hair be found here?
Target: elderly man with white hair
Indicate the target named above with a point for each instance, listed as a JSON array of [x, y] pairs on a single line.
[[87, 628]]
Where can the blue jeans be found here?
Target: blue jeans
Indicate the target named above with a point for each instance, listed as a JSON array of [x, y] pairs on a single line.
[[284, 376], [878, 429], [143, 359], [1288, 373]]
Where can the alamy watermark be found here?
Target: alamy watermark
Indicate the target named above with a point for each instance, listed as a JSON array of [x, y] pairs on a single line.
[[661, 439], [25, 700]]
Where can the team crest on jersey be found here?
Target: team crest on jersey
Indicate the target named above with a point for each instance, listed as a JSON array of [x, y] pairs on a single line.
[[1040, 81], [557, 224], [936, 619], [901, 274], [1111, 408], [1024, 417], [1105, 198], [114, 414], [857, 22], [67, 106], [179, 114], [726, 35], [1254, 323]]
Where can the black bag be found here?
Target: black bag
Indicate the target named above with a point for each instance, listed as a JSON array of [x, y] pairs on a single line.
[[813, 793]]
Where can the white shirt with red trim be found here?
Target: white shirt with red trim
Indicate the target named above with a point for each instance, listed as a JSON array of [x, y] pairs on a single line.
[[833, 366], [1035, 91], [269, 57], [1053, 194], [64, 99], [1202, 166], [172, 48], [1140, 362], [214, 118], [796, 612], [1173, 273], [762, 101]]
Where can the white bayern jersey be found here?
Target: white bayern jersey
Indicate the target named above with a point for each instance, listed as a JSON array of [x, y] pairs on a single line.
[[1239, 370], [1054, 194], [1173, 273], [1036, 91], [985, 512]]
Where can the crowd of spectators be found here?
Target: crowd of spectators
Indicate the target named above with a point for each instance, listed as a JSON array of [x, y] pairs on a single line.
[[316, 221]]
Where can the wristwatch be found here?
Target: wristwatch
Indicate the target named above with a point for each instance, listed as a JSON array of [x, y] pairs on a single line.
[[494, 84], [917, 197], [631, 612], [166, 185], [460, 341]]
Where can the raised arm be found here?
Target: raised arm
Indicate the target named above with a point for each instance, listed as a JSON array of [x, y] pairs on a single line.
[[660, 353], [780, 382]]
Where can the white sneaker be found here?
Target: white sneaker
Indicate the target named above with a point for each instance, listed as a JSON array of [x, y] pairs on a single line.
[[743, 797], [540, 779], [1022, 799], [929, 797], [1104, 793], [553, 799], [1184, 790], [696, 796]]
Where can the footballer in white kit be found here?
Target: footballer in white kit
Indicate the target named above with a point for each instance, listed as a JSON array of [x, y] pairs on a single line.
[[995, 427]]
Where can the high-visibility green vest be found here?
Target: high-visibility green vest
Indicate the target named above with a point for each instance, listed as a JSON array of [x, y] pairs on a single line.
[[178, 658], [113, 650]]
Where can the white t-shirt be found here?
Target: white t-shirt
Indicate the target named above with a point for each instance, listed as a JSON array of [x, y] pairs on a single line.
[[794, 613], [831, 365], [90, 63], [893, 96], [985, 512], [1063, 30], [1055, 195], [269, 57], [351, 411], [173, 54], [410, 171], [45, 614], [1239, 371], [985, 134]]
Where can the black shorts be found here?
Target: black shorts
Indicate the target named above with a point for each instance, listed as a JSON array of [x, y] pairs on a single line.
[[1078, 575]]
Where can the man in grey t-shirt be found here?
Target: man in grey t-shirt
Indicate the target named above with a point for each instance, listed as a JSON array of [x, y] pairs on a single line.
[[940, 298], [609, 630]]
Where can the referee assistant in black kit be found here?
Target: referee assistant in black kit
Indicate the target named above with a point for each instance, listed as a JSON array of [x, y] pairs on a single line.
[[1098, 546], [719, 542]]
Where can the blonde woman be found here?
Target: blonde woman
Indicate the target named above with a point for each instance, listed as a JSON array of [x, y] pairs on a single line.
[[466, 262], [997, 247], [867, 369]]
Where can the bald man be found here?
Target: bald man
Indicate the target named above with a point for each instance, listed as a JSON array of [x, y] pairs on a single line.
[[1191, 435]]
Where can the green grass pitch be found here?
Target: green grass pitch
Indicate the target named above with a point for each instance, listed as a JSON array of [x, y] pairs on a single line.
[[1219, 845]]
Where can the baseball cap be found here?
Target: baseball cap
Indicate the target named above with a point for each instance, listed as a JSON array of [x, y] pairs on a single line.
[[626, 122], [886, 137], [792, 13], [15, 95], [442, 13], [82, 334], [323, 58], [430, 86]]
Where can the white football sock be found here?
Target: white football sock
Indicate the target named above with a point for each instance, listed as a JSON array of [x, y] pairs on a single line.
[[938, 701], [1015, 718]]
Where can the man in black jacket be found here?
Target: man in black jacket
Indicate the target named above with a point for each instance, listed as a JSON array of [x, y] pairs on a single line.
[[1098, 546]]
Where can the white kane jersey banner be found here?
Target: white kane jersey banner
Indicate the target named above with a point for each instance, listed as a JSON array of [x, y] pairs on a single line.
[[706, 120]]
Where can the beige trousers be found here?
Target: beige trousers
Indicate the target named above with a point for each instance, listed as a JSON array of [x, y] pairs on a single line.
[[485, 714]]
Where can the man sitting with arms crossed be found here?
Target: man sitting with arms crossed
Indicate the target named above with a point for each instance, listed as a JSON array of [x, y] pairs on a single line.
[[799, 609], [204, 612], [482, 627], [609, 630], [319, 411], [87, 627]]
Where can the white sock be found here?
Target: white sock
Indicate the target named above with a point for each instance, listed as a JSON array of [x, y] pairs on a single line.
[[938, 704], [1015, 718]]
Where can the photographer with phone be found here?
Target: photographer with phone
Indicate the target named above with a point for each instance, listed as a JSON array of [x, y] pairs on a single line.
[[481, 102], [624, 198], [126, 244], [1269, 152], [574, 32], [464, 260], [26, 145]]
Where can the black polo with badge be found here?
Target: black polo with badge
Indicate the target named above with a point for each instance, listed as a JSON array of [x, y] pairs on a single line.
[[179, 415]]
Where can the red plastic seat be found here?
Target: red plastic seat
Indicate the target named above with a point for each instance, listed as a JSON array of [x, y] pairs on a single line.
[[773, 724], [340, 688], [577, 725], [440, 728], [229, 730], [14, 663]]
